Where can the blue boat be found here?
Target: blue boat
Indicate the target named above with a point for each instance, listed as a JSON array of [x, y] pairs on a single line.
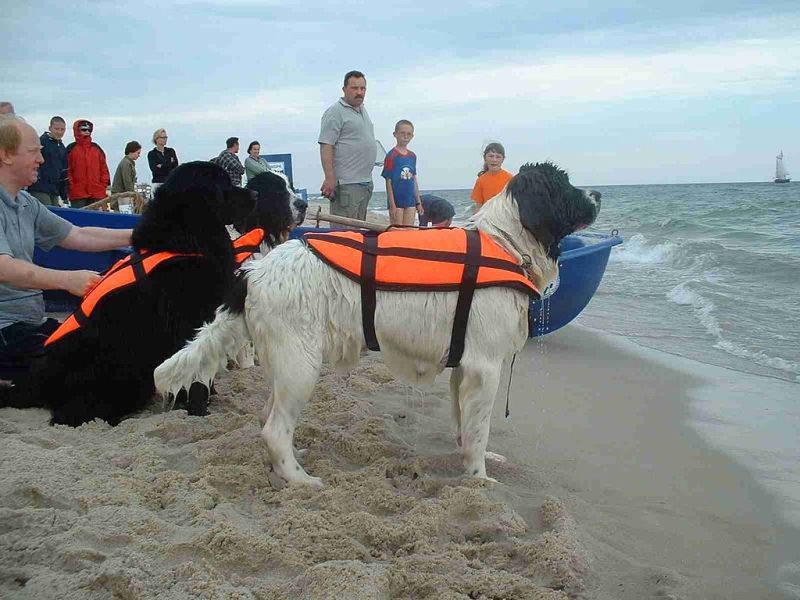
[[582, 264]]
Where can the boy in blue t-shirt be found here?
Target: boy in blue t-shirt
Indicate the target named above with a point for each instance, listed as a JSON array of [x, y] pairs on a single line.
[[400, 172]]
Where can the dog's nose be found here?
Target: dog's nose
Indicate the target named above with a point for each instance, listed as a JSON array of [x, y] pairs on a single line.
[[300, 204]]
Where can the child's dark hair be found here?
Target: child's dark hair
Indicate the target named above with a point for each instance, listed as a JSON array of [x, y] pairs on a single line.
[[132, 147], [403, 122], [495, 147], [253, 143]]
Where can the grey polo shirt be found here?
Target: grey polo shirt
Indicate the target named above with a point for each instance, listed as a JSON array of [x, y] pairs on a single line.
[[24, 224], [352, 135]]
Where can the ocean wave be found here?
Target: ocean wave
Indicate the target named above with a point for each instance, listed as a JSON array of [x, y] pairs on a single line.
[[636, 250], [703, 310], [702, 307], [758, 357]]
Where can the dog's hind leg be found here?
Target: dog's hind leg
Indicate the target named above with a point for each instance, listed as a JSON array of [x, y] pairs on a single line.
[[267, 408], [295, 374], [455, 382], [476, 392]]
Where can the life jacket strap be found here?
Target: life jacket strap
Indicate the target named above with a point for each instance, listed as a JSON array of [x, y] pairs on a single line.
[[465, 294], [369, 261]]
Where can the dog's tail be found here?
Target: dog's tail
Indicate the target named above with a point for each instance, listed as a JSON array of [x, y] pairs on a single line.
[[208, 353]]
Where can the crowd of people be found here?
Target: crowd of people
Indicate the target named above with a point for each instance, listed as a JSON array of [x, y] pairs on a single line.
[[39, 171], [77, 175]]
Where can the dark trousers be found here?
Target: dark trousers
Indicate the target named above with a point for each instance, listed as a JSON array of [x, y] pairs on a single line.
[[20, 345], [81, 202]]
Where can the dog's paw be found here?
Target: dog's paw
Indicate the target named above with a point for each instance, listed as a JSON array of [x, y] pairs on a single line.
[[315, 482], [495, 457]]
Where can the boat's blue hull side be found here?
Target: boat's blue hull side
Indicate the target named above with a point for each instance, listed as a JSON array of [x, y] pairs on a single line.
[[581, 267], [583, 261]]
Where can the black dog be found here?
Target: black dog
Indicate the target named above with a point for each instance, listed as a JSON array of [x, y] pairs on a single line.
[[278, 210], [104, 368]]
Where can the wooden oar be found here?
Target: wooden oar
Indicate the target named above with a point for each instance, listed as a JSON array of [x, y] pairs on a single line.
[[347, 221], [113, 200]]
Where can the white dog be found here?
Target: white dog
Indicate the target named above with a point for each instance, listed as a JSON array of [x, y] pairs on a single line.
[[299, 312]]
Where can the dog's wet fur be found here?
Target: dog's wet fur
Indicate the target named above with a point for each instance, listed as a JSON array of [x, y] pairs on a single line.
[[299, 312]]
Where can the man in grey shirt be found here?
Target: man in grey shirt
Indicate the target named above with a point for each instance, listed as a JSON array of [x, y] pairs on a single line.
[[347, 150], [26, 223]]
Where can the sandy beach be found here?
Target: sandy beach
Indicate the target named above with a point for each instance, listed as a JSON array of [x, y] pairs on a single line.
[[606, 493]]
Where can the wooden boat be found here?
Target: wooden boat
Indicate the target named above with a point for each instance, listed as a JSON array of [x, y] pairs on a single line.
[[582, 263]]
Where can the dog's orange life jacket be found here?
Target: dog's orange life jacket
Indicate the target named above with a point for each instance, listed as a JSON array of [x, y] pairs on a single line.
[[134, 269], [420, 260], [246, 245]]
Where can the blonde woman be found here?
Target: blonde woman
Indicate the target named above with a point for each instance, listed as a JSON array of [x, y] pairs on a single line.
[[162, 159]]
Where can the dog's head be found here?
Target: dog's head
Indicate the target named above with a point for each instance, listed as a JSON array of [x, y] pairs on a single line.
[[191, 208], [550, 207], [278, 209]]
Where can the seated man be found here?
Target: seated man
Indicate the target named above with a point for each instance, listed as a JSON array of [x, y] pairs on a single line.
[[24, 224], [435, 210]]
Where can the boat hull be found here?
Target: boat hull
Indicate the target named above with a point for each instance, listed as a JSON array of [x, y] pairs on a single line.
[[582, 264]]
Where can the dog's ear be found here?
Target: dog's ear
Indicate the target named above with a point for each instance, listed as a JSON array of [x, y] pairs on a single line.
[[272, 212]]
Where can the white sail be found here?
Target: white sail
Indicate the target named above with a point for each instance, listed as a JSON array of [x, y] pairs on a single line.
[[780, 171]]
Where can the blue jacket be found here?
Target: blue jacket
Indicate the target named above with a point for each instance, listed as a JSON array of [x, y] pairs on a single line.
[[53, 172]]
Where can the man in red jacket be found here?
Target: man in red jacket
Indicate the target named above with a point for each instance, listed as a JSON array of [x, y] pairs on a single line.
[[87, 171]]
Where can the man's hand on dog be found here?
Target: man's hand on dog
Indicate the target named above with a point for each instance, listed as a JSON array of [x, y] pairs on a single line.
[[80, 283]]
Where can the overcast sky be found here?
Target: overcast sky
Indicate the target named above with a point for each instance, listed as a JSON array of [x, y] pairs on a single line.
[[614, 92]]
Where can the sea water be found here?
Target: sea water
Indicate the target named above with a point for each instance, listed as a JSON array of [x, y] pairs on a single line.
[[711, 273]]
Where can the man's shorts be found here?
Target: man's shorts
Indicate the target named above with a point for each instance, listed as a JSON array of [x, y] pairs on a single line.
[[46, 198], [351, 200]]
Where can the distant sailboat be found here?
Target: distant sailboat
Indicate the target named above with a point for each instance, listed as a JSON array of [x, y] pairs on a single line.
[[781, 176]]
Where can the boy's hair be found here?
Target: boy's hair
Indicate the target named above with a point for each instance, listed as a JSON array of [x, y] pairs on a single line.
[[57, 119], [10, 132], [495, 147], [351, 74], [132, 147], [403, 122], [231, 142]]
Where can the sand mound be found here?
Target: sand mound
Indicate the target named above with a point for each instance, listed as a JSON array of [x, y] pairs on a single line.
[[171, 506]]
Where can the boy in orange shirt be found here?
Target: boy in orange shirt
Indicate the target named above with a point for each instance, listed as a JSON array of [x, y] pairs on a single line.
[[493, 178]]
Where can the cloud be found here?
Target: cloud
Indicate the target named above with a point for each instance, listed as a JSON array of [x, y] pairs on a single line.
[[548, 87], [737, 67]]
